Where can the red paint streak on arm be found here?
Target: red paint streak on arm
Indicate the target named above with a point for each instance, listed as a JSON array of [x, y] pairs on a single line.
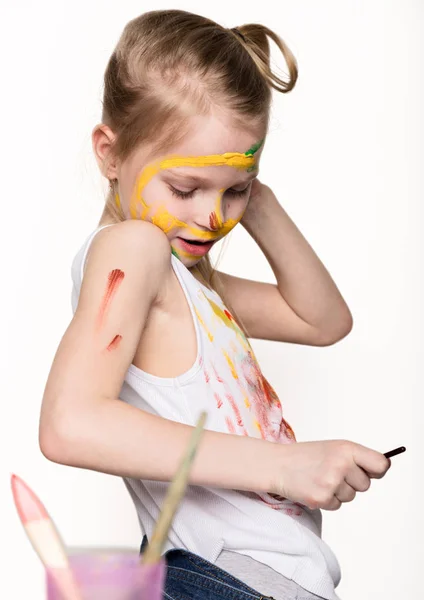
[[115, 342], [114, 281]]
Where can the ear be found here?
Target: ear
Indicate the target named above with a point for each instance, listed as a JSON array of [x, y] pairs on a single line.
[[102, 138]]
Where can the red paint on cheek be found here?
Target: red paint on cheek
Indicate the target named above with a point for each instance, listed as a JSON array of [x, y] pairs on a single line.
[[115, 278], [115, 342], [213, 221]]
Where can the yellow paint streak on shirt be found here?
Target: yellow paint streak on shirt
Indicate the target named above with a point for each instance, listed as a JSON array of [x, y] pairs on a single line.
[[231, 365], [229, 323], [258, 427], [202, 323]]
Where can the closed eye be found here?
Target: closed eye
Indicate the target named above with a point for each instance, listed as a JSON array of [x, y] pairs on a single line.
[[181, 194]]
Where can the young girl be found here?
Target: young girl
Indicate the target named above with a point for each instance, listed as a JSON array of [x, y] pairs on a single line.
[[158, 335]]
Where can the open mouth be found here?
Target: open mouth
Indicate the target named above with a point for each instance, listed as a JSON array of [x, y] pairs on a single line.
[[196, 247], [195, 242]]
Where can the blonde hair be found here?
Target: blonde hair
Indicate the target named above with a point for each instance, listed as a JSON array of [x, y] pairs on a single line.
[[170, 64]]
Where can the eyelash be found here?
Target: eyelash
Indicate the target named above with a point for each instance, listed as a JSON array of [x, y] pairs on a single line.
[[181, 194]]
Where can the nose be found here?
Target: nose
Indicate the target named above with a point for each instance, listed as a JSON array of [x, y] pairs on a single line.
[[214, 221], [210, 212]]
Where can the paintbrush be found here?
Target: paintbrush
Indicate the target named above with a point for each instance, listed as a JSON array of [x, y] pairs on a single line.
[[152, 563], [44, 538]]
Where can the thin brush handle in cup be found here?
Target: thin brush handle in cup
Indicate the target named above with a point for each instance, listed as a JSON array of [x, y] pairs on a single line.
[[173, 497]]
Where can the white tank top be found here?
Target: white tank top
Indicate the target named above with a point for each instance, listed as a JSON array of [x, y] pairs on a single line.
[[226, 381]]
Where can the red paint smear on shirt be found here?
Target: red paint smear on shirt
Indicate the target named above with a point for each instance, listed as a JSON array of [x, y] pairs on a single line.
[[235, 409], [206, 374], [277, 502], [115, 278], [230, 425], [218, 400], [218, 378], [272, 396], [265, 401], [115, 342]]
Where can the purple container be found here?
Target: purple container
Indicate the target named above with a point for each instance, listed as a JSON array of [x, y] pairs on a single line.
[[108, 575]]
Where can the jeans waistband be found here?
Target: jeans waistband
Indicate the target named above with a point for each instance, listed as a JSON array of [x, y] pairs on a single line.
[[201, 577]]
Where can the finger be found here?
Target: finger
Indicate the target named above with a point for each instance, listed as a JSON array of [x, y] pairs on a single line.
[[345, 492], [358, 479], [333, 504], [374, 463]]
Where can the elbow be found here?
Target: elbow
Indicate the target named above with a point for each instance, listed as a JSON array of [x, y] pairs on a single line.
[[330, 337], [55, 440], [51, 446]]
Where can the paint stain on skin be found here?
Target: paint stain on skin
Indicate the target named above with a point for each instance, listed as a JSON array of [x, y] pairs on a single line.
[[166, 221], [139, 209], [254, 148], [115, 279], [213, 221], [253, 151], [115, 342], [237, 160]]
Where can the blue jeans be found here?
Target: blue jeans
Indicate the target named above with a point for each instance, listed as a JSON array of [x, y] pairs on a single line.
[[189, 577]]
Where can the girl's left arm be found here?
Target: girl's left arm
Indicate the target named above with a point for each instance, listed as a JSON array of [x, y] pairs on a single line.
[[305, 305]]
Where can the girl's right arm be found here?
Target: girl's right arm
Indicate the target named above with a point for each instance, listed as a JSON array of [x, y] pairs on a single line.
[[84, 424]]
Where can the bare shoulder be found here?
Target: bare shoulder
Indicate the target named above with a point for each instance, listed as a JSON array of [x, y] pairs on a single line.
[[138, 250], [124, 273], [132, 239]]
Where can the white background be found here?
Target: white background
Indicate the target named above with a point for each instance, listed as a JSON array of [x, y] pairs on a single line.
[[343, 156]]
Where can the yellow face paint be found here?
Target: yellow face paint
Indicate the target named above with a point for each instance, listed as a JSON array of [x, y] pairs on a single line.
[[163, 218]]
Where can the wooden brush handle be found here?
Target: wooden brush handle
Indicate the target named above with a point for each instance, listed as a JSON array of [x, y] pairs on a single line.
[[173, 497]]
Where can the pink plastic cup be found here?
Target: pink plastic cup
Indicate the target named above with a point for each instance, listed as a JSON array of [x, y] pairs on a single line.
[[108, 575]]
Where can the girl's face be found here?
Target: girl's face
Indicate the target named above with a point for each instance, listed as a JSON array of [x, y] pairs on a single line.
[[196, 192]]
